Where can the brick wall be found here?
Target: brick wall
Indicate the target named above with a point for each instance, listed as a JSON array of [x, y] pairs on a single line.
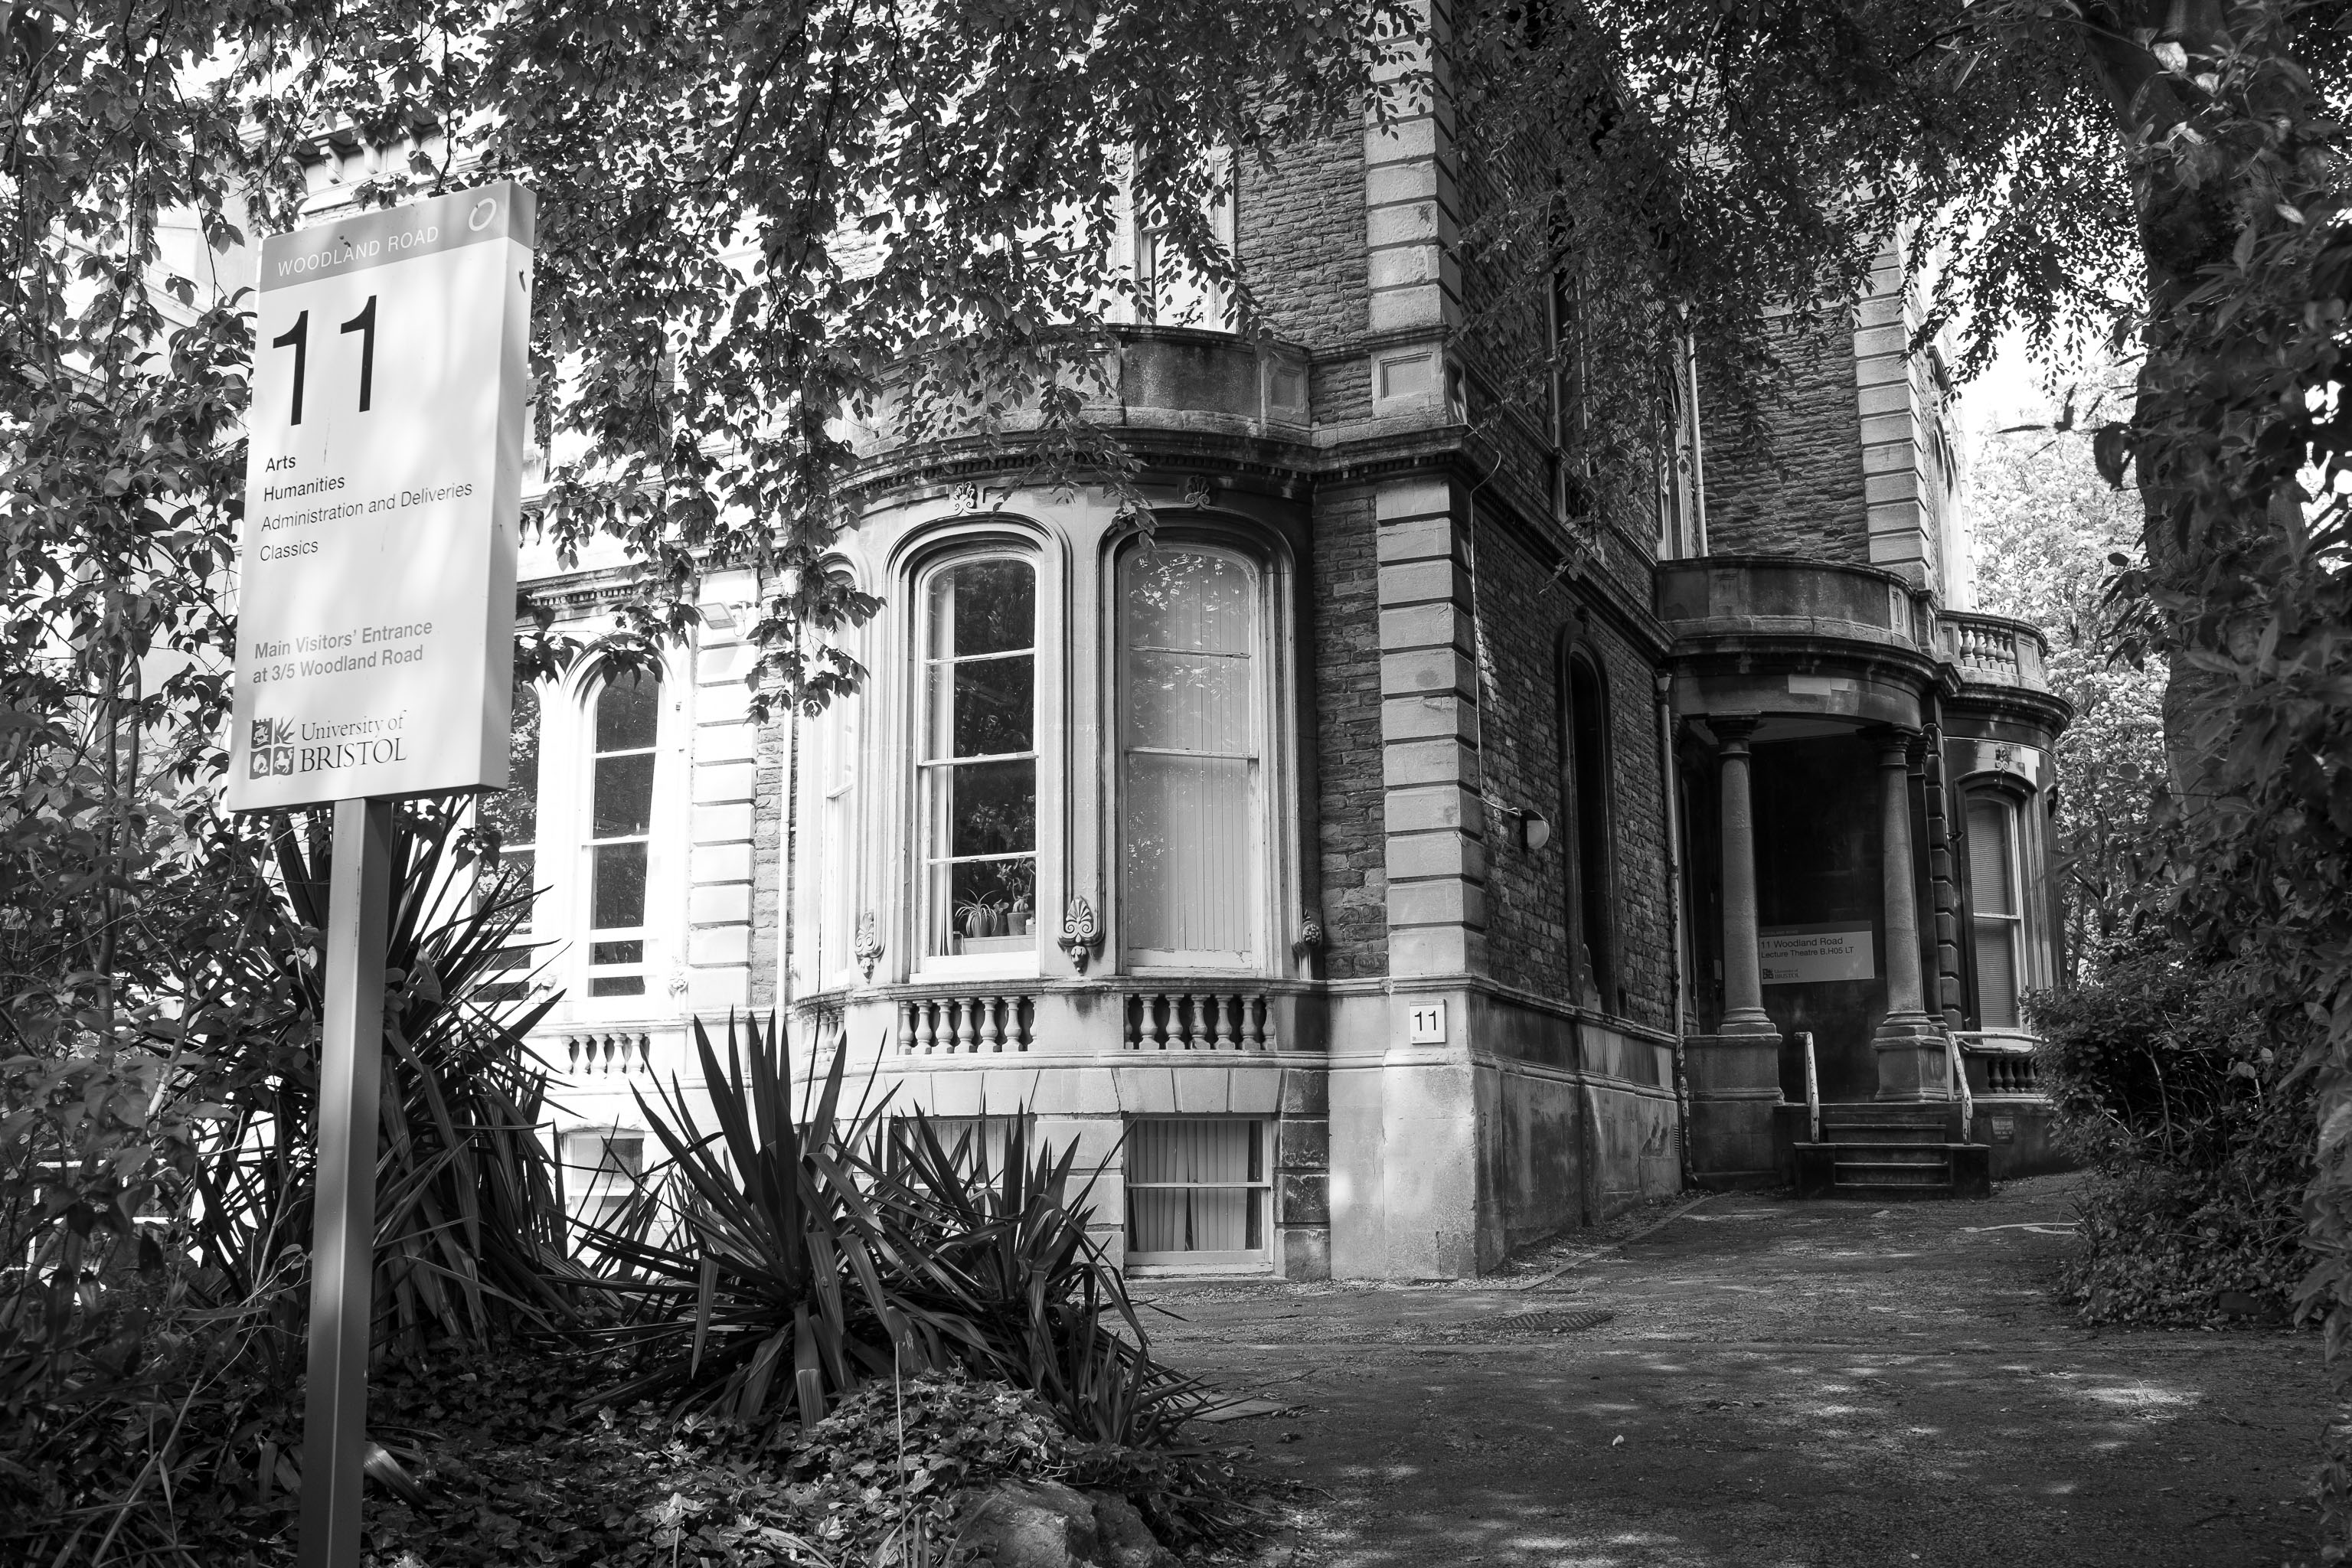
[[1805, 495], [1344, 663], [1523, 613], [1300, 230]]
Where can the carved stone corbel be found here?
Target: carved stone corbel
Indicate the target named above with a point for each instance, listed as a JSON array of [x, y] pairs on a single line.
[[1311, 937], [1082, 935], [869, 948]]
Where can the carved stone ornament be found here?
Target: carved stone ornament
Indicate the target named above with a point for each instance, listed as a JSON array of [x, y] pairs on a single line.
[[1311, 937], [869, 943], [1198, 493], [967, 498], [2002, 756], [1082, 934]]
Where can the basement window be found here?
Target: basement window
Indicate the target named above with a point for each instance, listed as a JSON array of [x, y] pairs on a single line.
[[1197, 1194]]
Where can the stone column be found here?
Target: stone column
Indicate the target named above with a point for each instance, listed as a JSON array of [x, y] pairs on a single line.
[[1735, 1075], [1909, 1046], [1743, 975]]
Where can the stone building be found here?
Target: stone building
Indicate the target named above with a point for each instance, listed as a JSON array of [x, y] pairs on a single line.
[[1375, 865]]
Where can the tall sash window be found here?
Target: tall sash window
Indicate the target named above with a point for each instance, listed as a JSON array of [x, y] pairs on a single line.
[[1997, 909], [621, 805], [1191, 755], [978, 760]]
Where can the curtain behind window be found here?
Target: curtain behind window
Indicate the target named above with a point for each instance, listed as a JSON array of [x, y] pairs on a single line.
[[1191, 754]]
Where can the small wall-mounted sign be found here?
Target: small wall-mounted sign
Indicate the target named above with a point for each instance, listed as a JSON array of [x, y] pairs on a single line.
[[2004, 1129], [1426, 1024], [1804, 954]]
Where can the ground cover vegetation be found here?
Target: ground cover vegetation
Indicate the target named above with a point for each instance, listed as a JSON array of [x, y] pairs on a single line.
[[2160, 174]]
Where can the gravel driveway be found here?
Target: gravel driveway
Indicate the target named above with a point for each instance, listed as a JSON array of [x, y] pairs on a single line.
[[1807, 1384]]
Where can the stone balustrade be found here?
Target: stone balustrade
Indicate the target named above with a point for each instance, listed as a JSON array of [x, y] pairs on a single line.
[[1200, 1021], [1993, 651], [621, 1053], [985, 1022]]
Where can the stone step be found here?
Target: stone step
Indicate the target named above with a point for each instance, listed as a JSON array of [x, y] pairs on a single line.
[[1883, 1166]]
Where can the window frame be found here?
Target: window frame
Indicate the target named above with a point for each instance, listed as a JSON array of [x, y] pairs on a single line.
[[1260, 1187], [1587, 888], [566, 806], [2028, 965], [948, 551], [1275, 736]]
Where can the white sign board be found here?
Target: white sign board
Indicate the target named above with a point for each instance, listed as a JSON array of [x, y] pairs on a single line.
[[1426, 1024], [1792, 955], [376, 588]]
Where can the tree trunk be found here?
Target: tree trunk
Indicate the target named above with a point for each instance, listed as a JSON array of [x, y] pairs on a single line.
[[2189, 213]]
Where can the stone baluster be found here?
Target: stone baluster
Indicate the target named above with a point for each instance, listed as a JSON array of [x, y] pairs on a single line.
[[1252, 1010], [965, 1035], [1266, 1015], [1225, 1026], [1198, 1040], [992, 1029], [906, 1028]]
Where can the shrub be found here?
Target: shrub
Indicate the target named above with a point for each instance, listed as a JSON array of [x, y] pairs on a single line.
[[2179, 1082], [783, 1259]]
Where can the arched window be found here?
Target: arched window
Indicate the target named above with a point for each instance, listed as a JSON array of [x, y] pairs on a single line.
[[1588, 808], [1191, 756], [978, 759], [624, 724], [1997, 909]]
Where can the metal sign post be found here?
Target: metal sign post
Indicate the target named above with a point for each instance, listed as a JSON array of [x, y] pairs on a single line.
[[375, 654], [343, 1249]]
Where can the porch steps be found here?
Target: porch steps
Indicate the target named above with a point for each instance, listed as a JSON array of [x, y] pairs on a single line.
[[1889, 1152]]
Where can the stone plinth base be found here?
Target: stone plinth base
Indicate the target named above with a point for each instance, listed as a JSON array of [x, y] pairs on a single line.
[[1735, 1085], [1913, 1054]]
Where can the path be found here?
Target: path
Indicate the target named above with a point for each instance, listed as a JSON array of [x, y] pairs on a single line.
[[1782, 1385]]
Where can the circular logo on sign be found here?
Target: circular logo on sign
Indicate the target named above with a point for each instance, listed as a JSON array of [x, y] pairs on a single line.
[[484, 211]]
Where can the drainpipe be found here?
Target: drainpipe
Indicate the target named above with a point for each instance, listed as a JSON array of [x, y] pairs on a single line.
[[1663, 690], [1696, 543]]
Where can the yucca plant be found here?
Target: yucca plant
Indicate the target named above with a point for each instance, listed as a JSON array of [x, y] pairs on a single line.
[[750, 1248], [780, 1259], [468, 1233], [1002, 1245]]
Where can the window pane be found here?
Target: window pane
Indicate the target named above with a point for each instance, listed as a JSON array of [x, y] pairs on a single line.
[[616, 952], [1996, 975], [1197, 702], [1188, 887], [617, 896], [628, 711], [1989, 861], [994, 706], [617, 986], [1202, 1151], [1191, 600], [993, 810], [983, 606], [624, 795], [513, 812], [999, 885]]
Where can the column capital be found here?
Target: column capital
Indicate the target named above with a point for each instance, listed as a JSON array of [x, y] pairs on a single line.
[[1895, 741], [1731, 731]]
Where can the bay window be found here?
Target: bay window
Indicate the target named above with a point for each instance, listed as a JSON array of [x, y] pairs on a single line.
[[1191, 757], [977, 763]]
